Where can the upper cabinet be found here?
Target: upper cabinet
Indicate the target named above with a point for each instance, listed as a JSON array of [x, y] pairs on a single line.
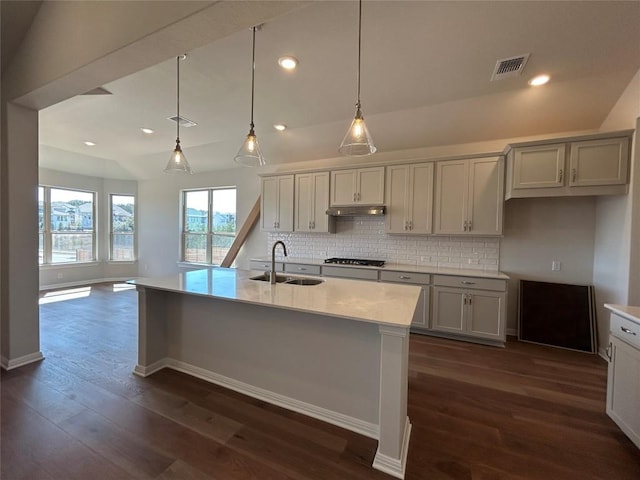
[[311, 203], [276, 204], [409, 194], [594, 165], [469, 197], [361, 186]]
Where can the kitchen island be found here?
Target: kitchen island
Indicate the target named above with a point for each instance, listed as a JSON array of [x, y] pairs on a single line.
[[337, 351]]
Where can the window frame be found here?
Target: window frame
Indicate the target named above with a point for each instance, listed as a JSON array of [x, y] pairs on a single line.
[[209, 235], [47, 232], [133, 234]]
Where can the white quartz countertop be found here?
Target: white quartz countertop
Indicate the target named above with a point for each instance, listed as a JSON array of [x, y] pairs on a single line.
[[396, 267], [381, 303], [626, 311]]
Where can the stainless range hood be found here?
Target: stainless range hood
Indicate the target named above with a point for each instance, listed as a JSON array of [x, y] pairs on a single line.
[[356, 211]]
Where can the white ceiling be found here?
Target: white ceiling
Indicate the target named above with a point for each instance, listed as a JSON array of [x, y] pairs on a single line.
[[426, 70]]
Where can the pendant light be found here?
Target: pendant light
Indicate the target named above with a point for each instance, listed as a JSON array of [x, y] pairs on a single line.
[[178, 162], [357, 142], [250, 154]]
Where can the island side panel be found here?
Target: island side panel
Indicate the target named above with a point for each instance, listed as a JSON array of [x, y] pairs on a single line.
[[332, 363], [153, 313], [395, 428]]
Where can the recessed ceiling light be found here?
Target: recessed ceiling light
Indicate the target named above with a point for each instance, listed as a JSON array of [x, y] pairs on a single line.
[[539, 80], [281, 127], [148, 131], [90, 144], [288, 62]]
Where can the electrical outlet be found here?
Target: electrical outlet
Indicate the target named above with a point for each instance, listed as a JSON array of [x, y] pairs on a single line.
[[556, 266]]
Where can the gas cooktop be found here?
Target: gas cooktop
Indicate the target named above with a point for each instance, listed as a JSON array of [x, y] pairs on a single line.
[[355, 261]]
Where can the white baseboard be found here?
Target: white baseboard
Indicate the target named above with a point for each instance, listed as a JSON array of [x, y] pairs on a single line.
[[339, 419], [10, 364], [394, 466], [83, 282]]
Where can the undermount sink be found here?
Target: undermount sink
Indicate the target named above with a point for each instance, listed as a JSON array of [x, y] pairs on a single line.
[[265, 278], [304, 281], [289, 280]]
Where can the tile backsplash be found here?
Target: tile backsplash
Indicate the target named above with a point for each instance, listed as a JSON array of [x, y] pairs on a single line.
[[365, 237]]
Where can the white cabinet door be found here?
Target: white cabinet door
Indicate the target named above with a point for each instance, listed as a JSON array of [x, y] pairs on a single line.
[[320, 221], [599, 162], [623, 388], [486, 314], [312, 201], [276, 204], [343, 187], [421, 198], [304, 202], [486, 196], [538, 167], [397, 216], [370, 186], [448, 310], [451, 197], [364, 186]]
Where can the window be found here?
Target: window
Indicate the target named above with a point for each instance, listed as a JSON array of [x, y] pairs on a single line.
[[122, 228], [208, 224], [67, 229]]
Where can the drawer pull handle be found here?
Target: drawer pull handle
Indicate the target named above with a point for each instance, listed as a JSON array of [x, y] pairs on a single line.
[[404, 277], [626, 330], [466, 282], [302, 269]]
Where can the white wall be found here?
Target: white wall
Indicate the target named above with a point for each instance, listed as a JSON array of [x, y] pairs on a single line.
[[159, 217], [538, 231], [616, 262], [58, 275]]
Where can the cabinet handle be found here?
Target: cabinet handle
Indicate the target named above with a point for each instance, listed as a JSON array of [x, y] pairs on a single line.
[[410, 224], [626, 330], [608, 351], [313, 224], [467, 282], [470, 297], [464, 227], [464, 299], [469, 225], [404, 277], [302, 269], [358, 196], [354, 196], [405, 224], [574, 175], [560, 176]]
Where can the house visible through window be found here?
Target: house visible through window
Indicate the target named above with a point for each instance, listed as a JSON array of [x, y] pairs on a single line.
[[208, 224], [67, 232], [122, 228]]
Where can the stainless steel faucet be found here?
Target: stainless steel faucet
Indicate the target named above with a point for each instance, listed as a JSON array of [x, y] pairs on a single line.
[[272, 277]]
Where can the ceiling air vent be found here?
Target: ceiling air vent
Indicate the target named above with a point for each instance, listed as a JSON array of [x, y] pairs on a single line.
[[509, 67], [182, 121]]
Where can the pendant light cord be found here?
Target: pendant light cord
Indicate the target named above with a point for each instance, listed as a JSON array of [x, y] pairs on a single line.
[[359, 47], [253, 71], [178, 99]]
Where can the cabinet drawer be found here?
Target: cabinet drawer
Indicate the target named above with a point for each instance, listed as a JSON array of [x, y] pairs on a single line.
[[625, 329], [257, 265], [470, 282], [405, 277], [302, 268], [355, 273]]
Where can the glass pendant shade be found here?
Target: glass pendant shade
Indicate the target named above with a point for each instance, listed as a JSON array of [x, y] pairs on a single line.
[[250, 154], [357, 142], [178, 162]]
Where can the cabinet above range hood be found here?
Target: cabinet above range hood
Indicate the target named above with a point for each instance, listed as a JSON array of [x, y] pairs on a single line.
[[356, 211]]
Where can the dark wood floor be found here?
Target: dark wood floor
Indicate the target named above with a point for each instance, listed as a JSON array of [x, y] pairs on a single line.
[[524, 412]]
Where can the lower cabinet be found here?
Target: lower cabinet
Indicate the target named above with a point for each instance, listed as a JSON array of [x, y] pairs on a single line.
[[470, 312], [421, 318], [623, 380]]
